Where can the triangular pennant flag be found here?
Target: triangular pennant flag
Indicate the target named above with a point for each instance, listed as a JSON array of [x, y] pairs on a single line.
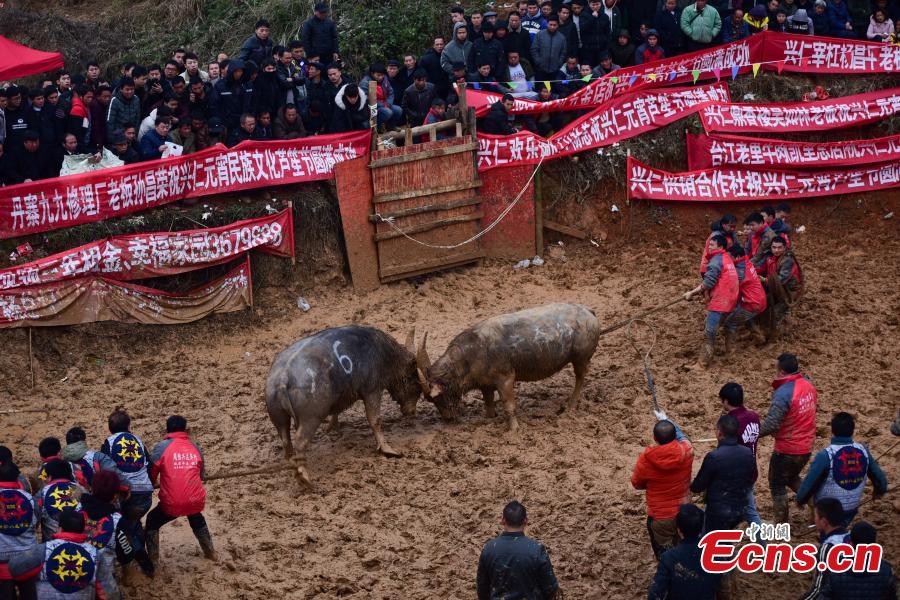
[[755, 69], [510, 85], [587, 78], [672, 75], [779, 66], [718, 74], [565, 82], [734, 72], [547, 84], [476, 85], [530, 86], [696, 74], [614, 80], [651, 77], [632, 79]]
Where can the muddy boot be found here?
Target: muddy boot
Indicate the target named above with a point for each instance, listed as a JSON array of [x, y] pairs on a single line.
[[206, 543], [730, 343], [706, 355], [780, 508], [758, 336], [151, 543]]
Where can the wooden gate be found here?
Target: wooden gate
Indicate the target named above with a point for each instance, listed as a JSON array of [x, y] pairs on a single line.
[[428, 192]]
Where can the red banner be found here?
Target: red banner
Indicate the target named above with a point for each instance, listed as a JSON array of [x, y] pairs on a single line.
[[144, 255], [705, 151], [92, 298], [624, 118], [731, 183], [801, 116], [85, 198], [805, 54]]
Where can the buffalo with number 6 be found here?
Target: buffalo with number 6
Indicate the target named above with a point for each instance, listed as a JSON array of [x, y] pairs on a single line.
[[492, 355], [324, 374]]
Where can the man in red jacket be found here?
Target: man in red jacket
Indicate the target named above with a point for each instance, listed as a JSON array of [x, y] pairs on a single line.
[[752, 300], [664, 471], [792, 421], [721, 289], [177, 463]]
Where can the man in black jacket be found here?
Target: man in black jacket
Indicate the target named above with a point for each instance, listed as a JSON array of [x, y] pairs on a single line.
[[486, 50], [668, 23], [513, 565], [417, 98], [32, 164], [861, 586], [517, 39], [726, 475], [350, 111], [258, 46], [319, 35], [431, 63], [595, 33], [679, 575], [497, 119], [227, 101]]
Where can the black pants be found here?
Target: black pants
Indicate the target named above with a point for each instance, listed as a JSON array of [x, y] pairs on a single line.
[[27, 590], [157, 518]]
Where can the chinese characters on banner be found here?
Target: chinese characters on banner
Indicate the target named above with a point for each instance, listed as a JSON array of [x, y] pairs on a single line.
[[93, 298], [807, 54], [627, 117], [733, 183], [85, 198], [144, 255], [705, 151]]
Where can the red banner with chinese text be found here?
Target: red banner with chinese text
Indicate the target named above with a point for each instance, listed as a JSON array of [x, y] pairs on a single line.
[[801, 116], [89, 197], [624, 118], [732, 183], [93, 298], [705, 151], [811, 54], [144, 255]]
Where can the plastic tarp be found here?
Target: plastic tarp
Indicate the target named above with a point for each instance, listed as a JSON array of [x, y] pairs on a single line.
[[17, 60]]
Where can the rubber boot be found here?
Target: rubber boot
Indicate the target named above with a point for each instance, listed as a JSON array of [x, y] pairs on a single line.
[[706, 354], [780, 508], [758, 336], [151, 543], [206, 543]]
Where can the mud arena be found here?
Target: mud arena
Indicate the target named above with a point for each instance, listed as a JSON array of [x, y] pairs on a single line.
[[413, 527]]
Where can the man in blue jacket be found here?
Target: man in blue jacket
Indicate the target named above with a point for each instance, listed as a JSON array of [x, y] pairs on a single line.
[[258, 46], [512, 565], [840, 470], [679, 575]]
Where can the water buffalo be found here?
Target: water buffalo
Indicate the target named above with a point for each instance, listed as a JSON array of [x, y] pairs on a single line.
[[324, 374], [528, 345]]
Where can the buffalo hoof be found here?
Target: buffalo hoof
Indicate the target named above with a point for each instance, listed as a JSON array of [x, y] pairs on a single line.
[[388, 451], [303, 476]]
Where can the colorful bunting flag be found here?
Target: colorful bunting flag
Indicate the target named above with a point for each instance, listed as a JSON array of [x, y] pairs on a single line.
[[696, 74], [672, 75], [755, 69], [587, 78], [779, 66], [734, 72], [476, 85], [565, 82], [547, 84], [614, 80], [632, 79], [652, 76], [718, 74]]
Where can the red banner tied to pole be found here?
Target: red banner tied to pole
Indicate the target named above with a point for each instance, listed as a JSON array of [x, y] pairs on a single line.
[[89, 197], [801, 116], [625, 118], [732, 183], [93, 298], [705, 151], [808, 54], [144, 255]]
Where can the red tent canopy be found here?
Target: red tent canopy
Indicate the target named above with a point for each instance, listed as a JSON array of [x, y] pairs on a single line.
[[17, 60]]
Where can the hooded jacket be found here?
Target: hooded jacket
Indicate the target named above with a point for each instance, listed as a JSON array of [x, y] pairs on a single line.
[[801, 23], [227, 101], [665, 472], [123, 113], [349, 118], [455, 52]]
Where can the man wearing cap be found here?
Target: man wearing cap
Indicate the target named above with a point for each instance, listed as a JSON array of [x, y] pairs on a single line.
[[319, 35], [549, 50], [29, 164], [486, 50], [417, 98], [257, 47], [119, 146], [649, 50]]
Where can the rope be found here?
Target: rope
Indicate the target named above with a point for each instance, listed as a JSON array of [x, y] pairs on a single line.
[[483, 232], [645, 357], [640, 316], [260, 471]]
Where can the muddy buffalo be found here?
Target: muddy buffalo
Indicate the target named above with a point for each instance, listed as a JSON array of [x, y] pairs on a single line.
[[324, 374], [528, 345]]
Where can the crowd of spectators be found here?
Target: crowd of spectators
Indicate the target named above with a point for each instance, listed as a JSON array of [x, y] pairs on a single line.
[[284, 92]]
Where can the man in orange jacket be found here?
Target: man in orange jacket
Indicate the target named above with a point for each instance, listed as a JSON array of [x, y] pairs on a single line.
[[664, 471]]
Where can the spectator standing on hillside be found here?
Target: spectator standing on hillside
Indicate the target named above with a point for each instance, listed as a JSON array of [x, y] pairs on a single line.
[[258, 46], [701, 24], [841, 23], [319, 35], [549, 50], [668, 23], [457, 51]]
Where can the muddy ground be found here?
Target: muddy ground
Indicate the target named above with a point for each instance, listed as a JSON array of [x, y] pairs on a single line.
[[413, 527]]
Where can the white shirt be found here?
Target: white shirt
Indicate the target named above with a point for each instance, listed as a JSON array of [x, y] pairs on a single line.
[[518, 79]]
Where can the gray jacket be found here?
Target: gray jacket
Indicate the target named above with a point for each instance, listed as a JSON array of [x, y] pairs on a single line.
[[17, 533], [548, 51], [455, 52], [122, 113], [69, 569]]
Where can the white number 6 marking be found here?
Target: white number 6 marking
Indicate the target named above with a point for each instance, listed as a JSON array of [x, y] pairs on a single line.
[[346, 366]]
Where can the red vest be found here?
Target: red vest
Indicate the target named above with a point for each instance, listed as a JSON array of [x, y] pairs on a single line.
[[724, 295], [753, 296], [798, 429]]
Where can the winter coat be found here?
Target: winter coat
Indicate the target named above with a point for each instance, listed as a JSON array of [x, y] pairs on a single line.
[[752, 295], [123, 113], [78, 124], [518, 41], [179, 467], [861, 586], [417, 103], [726, 475], [595, 31], [19, 526], [347, 117], [748, 423], [150, 144], [268, 92], [320, 37], [228, 99], [800, 23], [512, 565], [840, 471], [288, 131], [454, 52], [489, 51], [256, 50], [497, 121], [732, 32], [679, 575], [21, 165], [128, 454], [622, 55], [548, 52], [701, 27], [721, 281], [879, 32], [188, 143], [760, 245], [821, 23], [645, 54], [385, 95], [839, 16], [431, 63], [668, 25], [92, 579], [792, 415], [534, 25], [98, 123], [665, 472], [503, 73]]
